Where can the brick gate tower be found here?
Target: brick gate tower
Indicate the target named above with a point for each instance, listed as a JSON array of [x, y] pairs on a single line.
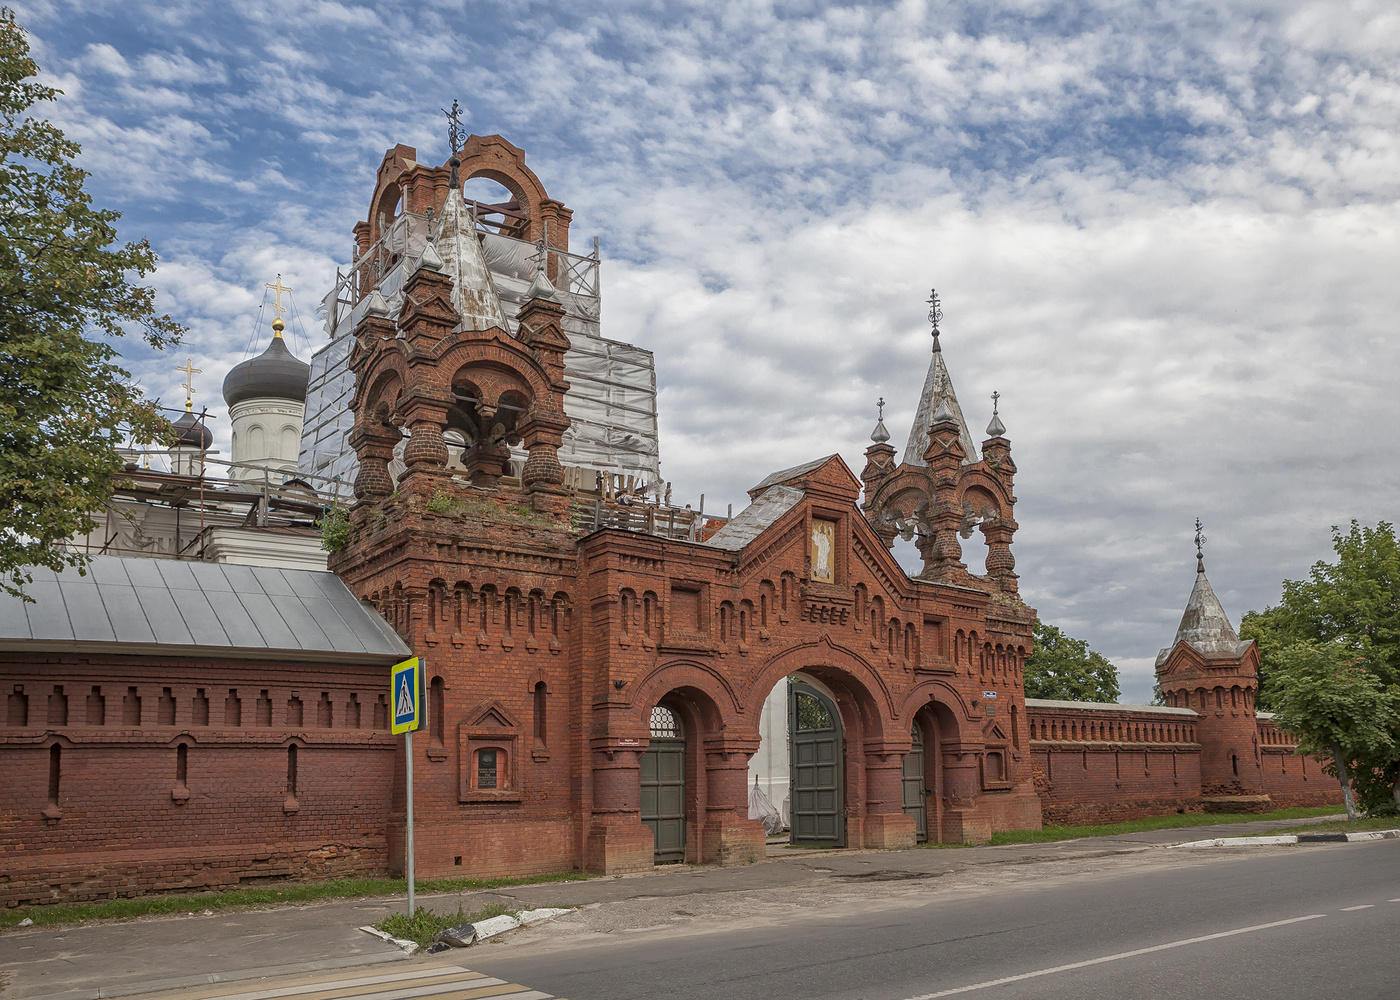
[[1208, 668]]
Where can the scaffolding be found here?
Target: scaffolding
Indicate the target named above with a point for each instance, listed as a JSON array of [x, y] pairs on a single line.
[[611, 403]]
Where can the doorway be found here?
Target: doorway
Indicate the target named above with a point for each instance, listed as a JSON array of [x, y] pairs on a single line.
[[818, 806], [914, 785], [663, 786]]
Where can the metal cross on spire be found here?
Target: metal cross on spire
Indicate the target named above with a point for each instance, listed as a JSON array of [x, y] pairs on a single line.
[[881, 405], [278, 288], [188, 385], [1200, 542], [995, 397], [455, 132], [935, 312]]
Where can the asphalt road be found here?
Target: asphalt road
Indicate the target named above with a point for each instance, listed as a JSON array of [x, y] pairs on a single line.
[[1305, 922]]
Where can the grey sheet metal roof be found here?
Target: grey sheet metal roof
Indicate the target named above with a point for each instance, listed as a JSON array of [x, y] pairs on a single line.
[[167, 606], [754, 519], [1099, 706], [784, 475]]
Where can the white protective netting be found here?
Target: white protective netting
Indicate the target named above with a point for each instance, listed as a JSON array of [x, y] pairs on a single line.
[[611, 403]]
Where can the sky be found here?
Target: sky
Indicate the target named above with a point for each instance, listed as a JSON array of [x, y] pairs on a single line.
[[1165, 233]]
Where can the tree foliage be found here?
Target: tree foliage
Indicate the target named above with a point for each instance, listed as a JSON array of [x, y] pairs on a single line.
[[1342, 714], [1330, 659], [1063, 668], [67, 290]]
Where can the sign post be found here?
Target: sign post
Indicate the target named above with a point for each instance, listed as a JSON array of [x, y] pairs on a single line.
[[405, 693]]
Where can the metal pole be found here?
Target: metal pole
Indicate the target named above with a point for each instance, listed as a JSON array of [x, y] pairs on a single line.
[[408, 749]]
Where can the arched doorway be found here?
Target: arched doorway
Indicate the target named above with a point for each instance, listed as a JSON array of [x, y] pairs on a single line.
[[818, 805], [914, 792], [663, 785]]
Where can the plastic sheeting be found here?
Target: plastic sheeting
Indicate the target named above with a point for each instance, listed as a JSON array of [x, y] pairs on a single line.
[[762, 810], [611, 403]]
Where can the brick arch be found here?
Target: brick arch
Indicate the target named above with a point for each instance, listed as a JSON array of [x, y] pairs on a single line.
[[837, 667], [692, 674], [943, 693]]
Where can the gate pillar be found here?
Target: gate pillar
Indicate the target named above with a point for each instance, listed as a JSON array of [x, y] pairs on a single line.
[[728, 836], [618, 841], [962, 822], [886, 825]]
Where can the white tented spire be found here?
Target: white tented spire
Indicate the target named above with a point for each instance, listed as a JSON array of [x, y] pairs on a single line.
[[474, 294], [938, 389]]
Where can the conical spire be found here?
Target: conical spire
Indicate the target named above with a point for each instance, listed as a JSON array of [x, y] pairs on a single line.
[[938, 395], [474, 294], [1204, 625]]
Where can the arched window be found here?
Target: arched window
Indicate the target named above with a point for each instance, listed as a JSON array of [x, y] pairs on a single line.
[[666, 724]]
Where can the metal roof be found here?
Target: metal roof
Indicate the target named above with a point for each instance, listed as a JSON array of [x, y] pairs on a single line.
[[1099, 706], [168, 606]]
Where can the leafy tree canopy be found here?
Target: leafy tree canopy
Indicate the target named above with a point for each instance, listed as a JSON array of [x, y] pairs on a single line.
[[1066, 669], [67, 289], [1330, 659]]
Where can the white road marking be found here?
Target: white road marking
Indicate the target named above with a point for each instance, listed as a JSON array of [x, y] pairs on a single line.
[[1363, 906], [1115, 958]]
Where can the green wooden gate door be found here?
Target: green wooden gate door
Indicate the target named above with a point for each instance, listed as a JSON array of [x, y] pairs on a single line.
[[818, 809], [914, 785], [663, 785]]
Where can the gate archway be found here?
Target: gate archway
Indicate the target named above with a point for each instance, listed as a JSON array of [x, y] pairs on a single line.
[[663, 785], [818, 809]]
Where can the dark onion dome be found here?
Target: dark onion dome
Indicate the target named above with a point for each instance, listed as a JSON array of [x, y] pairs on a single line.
[[190, 433], [274, 374]]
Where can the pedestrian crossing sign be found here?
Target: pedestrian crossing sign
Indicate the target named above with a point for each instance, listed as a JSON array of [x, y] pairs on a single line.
[[405, 695]]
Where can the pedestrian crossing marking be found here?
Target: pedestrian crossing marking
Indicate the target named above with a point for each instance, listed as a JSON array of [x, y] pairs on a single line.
[[435, 982], [405, 704]]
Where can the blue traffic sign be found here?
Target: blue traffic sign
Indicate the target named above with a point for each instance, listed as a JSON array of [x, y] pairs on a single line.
[[404, 695]]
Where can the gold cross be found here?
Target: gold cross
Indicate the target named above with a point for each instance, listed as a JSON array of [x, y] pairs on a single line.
[[279, 288], [190, 372]]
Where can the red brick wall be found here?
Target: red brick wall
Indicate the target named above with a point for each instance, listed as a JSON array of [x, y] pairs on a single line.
[[1290, 779], [123, 823]]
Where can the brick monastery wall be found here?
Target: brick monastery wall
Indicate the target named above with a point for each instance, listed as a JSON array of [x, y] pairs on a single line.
[[1292, 780], [131, 774], [1109, 765]]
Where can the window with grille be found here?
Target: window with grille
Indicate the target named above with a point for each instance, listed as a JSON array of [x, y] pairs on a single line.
[[664, 724]]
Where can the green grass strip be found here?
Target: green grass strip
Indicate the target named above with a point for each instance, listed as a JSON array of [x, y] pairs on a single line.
[[425, 925], [1173, 821], [291, 892], [1336, 826]]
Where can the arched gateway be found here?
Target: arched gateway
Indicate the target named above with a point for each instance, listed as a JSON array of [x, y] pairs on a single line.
[[559, 617]]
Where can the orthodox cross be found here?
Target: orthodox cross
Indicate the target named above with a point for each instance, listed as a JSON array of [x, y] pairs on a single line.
[[935, 311], [881, 405], [188, 385], [455, 132], [278, 288], [995, 396], [1200, 541]]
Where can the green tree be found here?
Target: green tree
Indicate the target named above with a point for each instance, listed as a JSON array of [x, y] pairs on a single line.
[[1341, 713], [67, 290], [1349, 610], [1066, 669]]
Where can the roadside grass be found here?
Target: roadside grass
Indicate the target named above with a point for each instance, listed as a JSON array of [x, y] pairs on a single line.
[[1337, 826], [1173, 821], [424, 925], [284, 893]]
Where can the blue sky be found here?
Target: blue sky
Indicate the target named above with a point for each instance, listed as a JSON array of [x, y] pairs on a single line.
[[1166, 233]]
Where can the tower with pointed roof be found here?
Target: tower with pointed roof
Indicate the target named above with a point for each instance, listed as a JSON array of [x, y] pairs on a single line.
[[1210, 669], [943, 489]]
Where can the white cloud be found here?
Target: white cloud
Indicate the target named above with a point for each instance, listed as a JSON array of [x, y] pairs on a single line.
[[1168, 236]]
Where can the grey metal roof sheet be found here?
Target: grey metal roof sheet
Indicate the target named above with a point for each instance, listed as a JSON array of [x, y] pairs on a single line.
[[756, 518], [1100, 706], [169, 606], [784, 475]]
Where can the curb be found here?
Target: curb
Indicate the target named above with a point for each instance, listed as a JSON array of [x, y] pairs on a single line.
[[1302, 838]]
